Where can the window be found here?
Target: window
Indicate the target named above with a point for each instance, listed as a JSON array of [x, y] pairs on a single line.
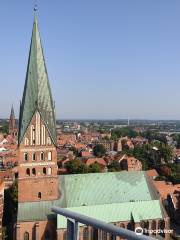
[[95, 233], [44, 171], [49, 156], [47, 235], [39, 195], [26, 156], [65, 236], [49, 171], [122, 225], [104, 235], [26, 236], [33, 156], [85, 234], [32, 135], [42, 156], [28, 171], [34, 171]]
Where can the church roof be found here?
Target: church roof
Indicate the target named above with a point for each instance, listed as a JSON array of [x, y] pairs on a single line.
[[117, 212], [37, 93], [95, 191]]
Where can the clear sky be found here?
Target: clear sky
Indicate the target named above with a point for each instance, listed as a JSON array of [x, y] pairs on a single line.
[[105, 58]]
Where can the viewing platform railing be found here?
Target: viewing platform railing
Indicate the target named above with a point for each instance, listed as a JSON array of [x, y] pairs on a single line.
[[74, 218]]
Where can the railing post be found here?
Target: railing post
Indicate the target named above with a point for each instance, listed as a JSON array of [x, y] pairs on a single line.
[[72, 229]]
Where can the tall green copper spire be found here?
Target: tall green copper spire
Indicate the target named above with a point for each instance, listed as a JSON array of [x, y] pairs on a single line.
[[37, 93]]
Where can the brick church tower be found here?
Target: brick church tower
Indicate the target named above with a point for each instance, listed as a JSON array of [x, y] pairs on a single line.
[[12, 124], [38, 179]]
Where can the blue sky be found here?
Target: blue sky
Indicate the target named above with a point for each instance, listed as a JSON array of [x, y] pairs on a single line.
[[105, 58]]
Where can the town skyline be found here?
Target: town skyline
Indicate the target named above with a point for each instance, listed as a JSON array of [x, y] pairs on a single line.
[[89, 179], [141, 82]]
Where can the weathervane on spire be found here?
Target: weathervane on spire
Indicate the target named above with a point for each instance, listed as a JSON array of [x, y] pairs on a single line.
[[35, 7]]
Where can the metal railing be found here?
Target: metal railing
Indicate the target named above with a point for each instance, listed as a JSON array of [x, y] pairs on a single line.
[[74, 218]]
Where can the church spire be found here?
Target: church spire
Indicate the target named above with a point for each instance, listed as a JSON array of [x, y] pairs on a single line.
[[12, 115], [37, 93], [12, 120]]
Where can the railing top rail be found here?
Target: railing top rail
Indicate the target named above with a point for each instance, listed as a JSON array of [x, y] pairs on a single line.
[[110, 228]]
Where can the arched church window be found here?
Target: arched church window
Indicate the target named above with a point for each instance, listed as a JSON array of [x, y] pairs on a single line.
[[26, 236], [85, 234], [33, 156], [104, 235], [47, 235], [42, 156], [39, 195], [32, 135], [26, 156], [44, 171], [65, 236], [95, 233], [34, 171], [28, 171]]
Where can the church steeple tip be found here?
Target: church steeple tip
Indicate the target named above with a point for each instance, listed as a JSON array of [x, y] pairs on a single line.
[[12, 115], [37, 93]]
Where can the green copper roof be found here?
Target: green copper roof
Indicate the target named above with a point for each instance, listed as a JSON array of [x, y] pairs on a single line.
[[104, 188], [94, 189], [37, 92], [118, 212]]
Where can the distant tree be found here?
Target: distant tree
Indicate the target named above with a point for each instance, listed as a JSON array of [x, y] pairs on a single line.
[[4, 128], [4, 234], [154, 135], [114, 166], [76, 166], [176, 137], [160, 178], [123, 132], [14, 192], [166, 152], [99, 150], [10, 209], [175, 178], [94, 168]]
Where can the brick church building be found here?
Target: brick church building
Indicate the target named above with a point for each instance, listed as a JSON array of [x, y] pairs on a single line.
[[37, 179], [13, 131], [126, 199]]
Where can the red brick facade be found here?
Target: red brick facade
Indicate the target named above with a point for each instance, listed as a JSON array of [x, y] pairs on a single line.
[[37, 164], [36, 230]]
